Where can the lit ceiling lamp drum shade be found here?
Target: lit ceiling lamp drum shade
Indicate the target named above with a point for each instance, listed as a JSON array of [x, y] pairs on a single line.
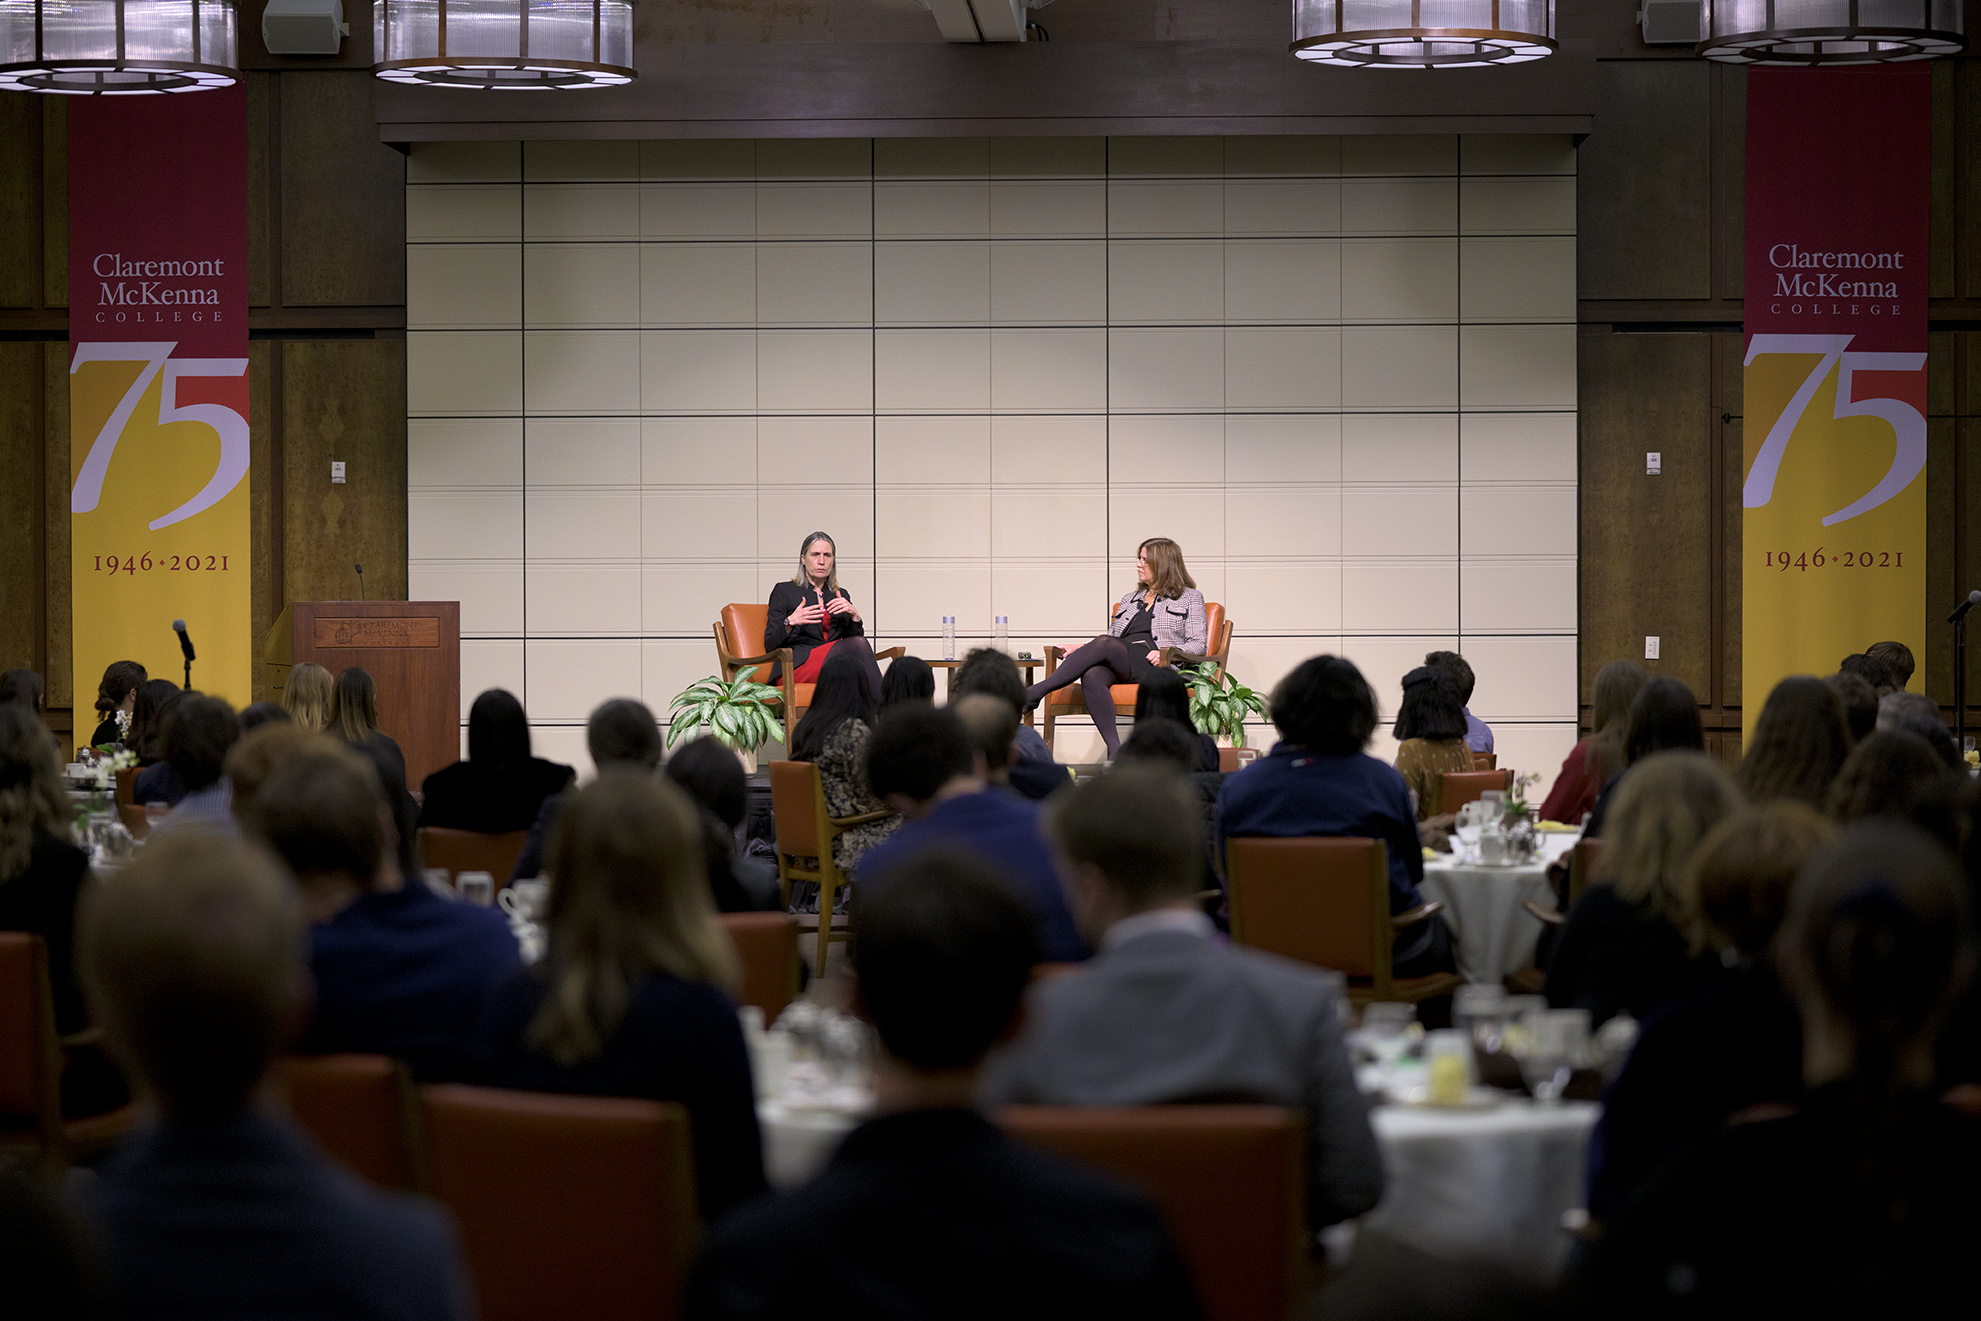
[[1830, 31], [117, 47], [1423, 34], [505, 45]]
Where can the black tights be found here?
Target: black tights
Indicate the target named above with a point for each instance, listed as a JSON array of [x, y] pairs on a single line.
[[1099, 664], [859, 646]]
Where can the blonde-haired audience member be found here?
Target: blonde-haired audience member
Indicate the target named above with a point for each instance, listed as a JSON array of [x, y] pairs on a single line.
[[633, 997], [309, 695], [192, 960], [1629, 943], [1738, 1044]]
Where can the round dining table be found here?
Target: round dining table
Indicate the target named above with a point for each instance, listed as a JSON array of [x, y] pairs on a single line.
[[1493, 934]]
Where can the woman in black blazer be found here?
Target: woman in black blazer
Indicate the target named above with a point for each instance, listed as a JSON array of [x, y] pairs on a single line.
[[814, 616]]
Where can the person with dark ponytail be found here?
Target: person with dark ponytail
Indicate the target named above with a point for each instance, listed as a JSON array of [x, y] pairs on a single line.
[[116, 701], [1858, 1201]]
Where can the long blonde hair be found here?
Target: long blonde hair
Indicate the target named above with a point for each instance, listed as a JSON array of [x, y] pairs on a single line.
[[31, 798], [629, 898], [1664, 807], [804, 575], [1167, 576], [307, 696]]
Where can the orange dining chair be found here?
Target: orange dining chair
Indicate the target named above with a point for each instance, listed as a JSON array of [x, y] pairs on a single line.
[[1457, 788], [1230, 1181], [1325, 901], [473, 850], [1070, 701], [1583, 860], [568, 1206], [32, 1058], [361, 1109], [768, 946], [805, 832]]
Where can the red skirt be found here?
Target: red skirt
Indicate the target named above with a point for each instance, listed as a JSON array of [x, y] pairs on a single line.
[[809, 671]]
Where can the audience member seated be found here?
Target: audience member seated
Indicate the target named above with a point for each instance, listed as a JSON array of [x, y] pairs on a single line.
[[908, 679], [1872, 670], [309, 695], [1167, 1012], [620, 735], [116, 701], [1921, 715], [1629, 944], [1158, 740], [221, 1208], [1897, 658], [1706, 1058], [927, 1211], [1593, 761], [1888, 775], [1861, 1202], [46, 1263], [1959, 1059], [921, 763], [148, 719], [1163, 695], [400, 970], [256, 714], [1859, 701], [199, 732], [711, 774], [354, 719], [41, 875], [633, 996], [22, 687], [1033, 772], [1318, 781], [1430, 733], [1797, 745], [1478, 734], [501, 786], [1664, 717], [252, 760], [833, 734]]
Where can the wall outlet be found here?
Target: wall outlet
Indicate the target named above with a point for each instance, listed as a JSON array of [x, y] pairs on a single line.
[[1654, 463], [1650, 648], [337, 472]]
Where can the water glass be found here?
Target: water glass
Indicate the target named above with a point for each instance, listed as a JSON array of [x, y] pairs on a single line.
[[1386, 1030], [477, 887], [1480, 1012], [1549, 1046], [1448, 1052]]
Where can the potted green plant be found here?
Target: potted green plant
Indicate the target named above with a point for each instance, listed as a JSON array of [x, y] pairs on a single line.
[[1219, 704], [739, 713]]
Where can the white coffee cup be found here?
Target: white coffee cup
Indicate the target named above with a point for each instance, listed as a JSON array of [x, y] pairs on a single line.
[[526, 899]]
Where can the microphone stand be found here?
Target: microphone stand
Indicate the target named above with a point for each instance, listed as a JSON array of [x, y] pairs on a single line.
[[1960, 682]]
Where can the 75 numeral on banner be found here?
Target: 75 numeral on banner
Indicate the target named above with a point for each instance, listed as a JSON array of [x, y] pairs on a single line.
[[1908, 459], [229, 425]]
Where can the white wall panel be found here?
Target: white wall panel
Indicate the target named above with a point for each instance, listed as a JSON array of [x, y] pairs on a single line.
[[463, 286], [452, 451], [1041, 283], [581, 284], [581, 211], [698, 284]]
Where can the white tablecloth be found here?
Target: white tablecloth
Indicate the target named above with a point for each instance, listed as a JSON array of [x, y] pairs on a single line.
[[1489, 1185], [1482, 906], [1485, 1185]]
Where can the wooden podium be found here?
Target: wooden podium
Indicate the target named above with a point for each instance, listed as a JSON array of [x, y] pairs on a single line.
[[411, 649]]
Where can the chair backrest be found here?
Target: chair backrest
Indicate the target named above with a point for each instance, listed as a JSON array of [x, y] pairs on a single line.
[[768, 946], [1230, 1181], [741, 631], [1214, 627], [27, 1028], [1485, 761], [1322, 900], [127, 784], [360, 1109], [134, 820], [472, 850], [568, 1206], [1583, 860], [1462, 787], [793, 807], [1235, 759]]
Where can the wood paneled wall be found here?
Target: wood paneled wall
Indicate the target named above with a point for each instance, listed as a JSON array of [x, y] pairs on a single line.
[[327, 359], [1660, 250]]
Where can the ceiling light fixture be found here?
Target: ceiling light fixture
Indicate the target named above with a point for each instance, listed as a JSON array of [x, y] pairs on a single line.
[[1423, 34], [504, 45], [117, 47], [1804, 32]]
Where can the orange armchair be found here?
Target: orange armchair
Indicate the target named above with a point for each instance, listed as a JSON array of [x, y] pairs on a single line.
[[739, 642], [1070, 701]]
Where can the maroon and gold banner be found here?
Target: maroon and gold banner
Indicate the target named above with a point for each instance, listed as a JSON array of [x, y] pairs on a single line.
[[1834, 535], [158, 387]]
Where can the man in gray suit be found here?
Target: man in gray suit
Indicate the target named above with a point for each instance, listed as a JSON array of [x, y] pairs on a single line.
[[1168, 1012]]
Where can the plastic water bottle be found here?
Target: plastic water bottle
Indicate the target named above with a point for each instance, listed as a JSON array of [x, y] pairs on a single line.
[[949, 637], [1001, 633]]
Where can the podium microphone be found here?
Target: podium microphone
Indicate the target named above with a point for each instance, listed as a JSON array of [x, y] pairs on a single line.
[[361, 580], [1960, 612], [186, 648]]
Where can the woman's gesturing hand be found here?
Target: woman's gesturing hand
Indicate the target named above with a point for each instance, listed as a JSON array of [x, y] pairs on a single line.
[[809, 613], [839, 605]]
